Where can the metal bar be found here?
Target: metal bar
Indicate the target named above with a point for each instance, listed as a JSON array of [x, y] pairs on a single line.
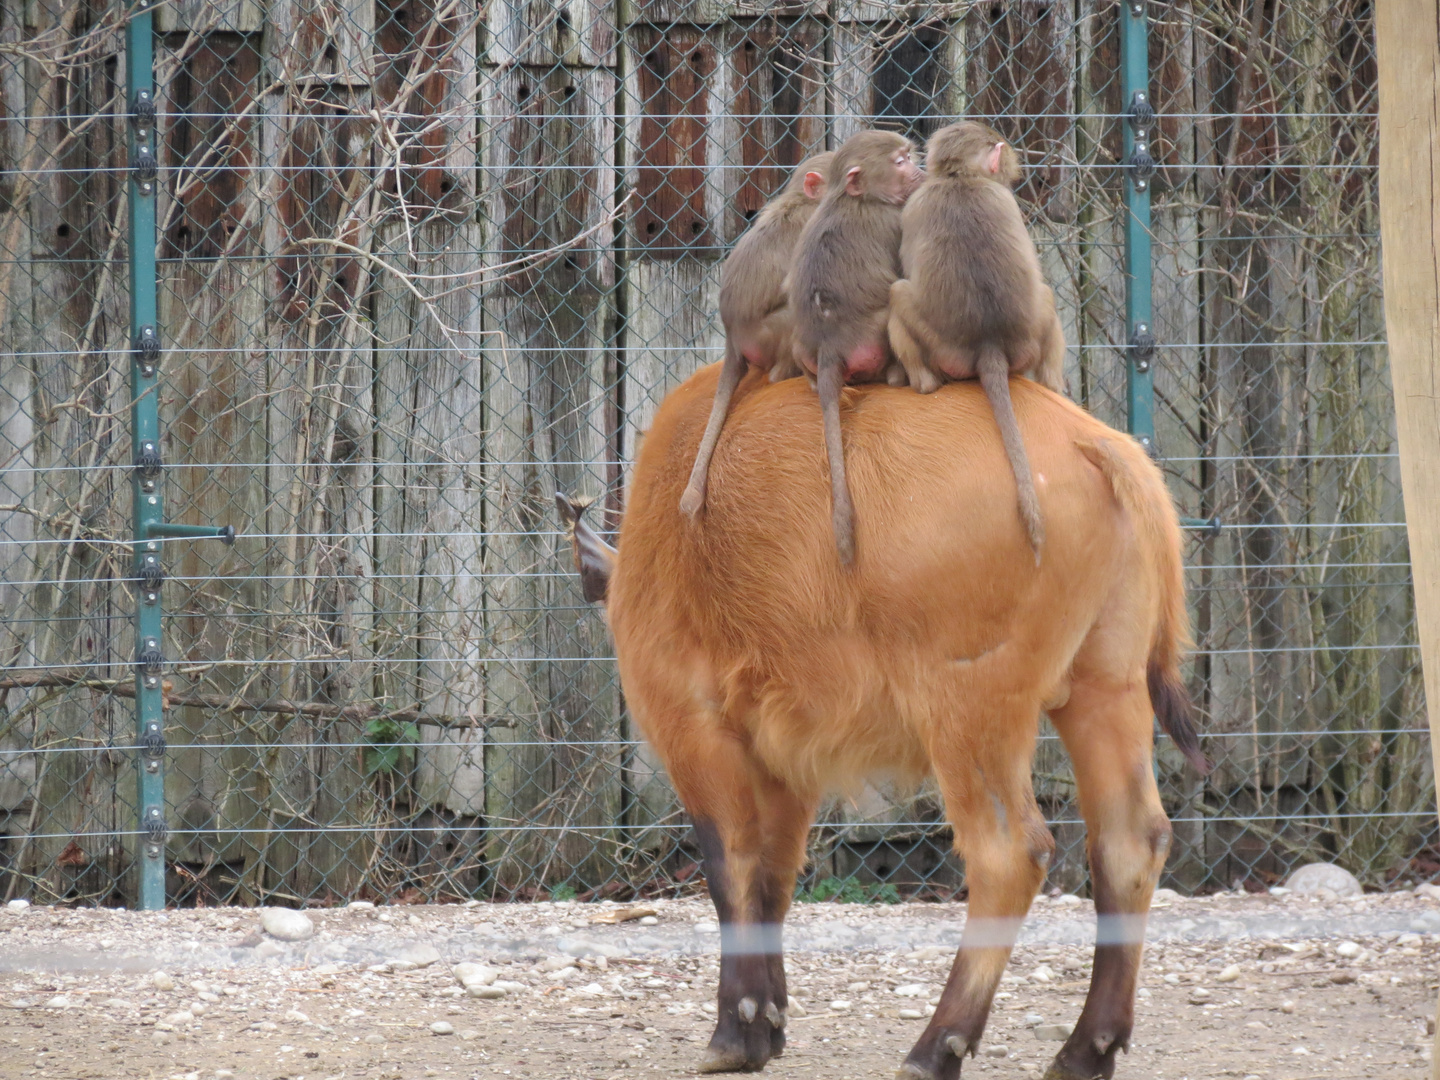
[[169, 530], [1135, 92], [145, 443]]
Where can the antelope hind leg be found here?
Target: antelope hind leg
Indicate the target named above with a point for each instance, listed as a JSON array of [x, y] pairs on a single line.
[[1001, 835], [1108, 735]]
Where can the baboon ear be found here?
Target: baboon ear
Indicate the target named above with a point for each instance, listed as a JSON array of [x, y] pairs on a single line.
[[852, 181], [814, 185], [992, 159]]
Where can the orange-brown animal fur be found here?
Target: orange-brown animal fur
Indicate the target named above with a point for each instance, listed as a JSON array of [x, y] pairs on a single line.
[[766, 674]]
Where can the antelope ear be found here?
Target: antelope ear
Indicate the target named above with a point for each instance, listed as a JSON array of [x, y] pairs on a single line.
[[992, 159], [852, 181], [814, 185]]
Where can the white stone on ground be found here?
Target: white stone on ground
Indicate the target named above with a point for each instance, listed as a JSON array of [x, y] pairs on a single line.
[[286, 924], [162, 981], [796, 1009], [1313, 877], [414, 956], [840, 1005], [442, 1027], [1053, 1032], [468, 975], [1229, 975]]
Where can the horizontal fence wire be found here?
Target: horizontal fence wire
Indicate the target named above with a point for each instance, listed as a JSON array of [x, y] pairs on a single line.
[[423, 263]]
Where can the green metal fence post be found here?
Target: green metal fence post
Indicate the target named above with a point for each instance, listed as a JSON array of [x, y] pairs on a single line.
[[1140, 117], [145, 444]]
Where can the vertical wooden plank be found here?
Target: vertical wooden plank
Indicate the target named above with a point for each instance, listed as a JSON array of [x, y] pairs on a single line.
[[430, 355], [210, 16], [771, 112], [1021, 76], [322, 42], [897, 75], [577, 34], [548, 181], [315, 153], [211, 307], [75, 306]]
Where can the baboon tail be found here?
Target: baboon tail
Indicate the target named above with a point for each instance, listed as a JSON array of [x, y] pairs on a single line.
[[994, 371], [594, 558], [1140, 489], [829, 381]]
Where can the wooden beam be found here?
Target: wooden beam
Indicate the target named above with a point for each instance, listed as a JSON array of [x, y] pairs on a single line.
[[1407, 36]]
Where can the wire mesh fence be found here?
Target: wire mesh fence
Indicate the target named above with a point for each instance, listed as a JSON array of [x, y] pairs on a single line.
[[422, 263]]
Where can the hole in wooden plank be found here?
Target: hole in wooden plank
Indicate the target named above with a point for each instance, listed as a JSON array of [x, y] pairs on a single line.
[[697, 227], [650, 228], [523, 92], [62, 230], [330, 53], [569, 91], [697, 56]]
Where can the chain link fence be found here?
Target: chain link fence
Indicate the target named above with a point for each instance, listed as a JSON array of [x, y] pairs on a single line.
[[422, 263]]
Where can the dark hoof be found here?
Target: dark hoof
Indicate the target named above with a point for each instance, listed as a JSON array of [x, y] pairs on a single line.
[[1085, 1059], [937, 1056], [717, 1060], [745, 1038]]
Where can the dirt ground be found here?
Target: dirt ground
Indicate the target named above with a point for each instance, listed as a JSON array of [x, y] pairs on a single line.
[[1276, 987]]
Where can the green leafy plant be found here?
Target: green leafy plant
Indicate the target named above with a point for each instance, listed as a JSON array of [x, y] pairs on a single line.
[[849, 891], [392, 746], [562, 892]]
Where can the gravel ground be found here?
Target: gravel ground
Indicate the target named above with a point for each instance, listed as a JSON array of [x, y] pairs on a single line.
[[1278, 987]]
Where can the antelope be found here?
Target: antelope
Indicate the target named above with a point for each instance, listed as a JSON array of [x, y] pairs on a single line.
[[766, 674]]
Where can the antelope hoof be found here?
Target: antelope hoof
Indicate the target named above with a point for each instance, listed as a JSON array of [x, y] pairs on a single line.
[[717, 1060], [1086, 1059], [774, 1015], [747, 1009], [937, 1056]]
